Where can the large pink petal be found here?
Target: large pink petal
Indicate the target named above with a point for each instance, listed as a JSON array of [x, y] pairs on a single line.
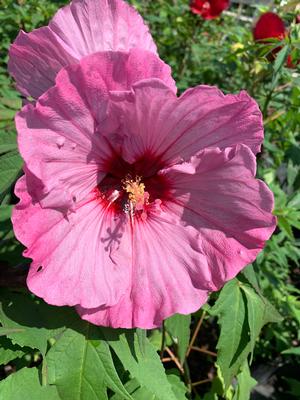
[[34, 60], [174, 129], [82, 258], [88, 26], [59, 136], [57, 142], [81, 28], [164, 279], [98, 74], [217, 197]]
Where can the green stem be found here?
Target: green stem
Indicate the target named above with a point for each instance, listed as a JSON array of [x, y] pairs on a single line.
[[163, 338], [142, 337], [44, 372], [267, 101], [187, 376]]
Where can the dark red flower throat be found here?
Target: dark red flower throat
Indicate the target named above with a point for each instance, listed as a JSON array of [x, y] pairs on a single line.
[[134, 189]]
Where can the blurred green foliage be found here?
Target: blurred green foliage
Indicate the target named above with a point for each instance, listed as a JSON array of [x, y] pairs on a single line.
[[222, 53]]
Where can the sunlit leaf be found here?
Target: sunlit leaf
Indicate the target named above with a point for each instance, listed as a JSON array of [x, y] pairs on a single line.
[[9, 351], [25, 385], [245, 383], [30, 323], [260, 312], [280, 58], [147, 368], [293, 350], [233, 345], [81, 367], [242, 312], [178, 327]]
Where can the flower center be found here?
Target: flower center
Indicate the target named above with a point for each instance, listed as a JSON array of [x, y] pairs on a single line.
[[130, 189], [138, 199], [136, 191]]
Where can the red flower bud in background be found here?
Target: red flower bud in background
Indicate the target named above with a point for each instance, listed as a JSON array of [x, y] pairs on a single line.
[[269, 25], [209, 9], [289, 62]]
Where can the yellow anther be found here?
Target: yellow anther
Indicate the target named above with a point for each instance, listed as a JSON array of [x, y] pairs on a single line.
[[137, 197], [135, 189]]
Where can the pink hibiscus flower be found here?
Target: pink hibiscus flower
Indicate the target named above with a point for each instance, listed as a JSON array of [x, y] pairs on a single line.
[[135, 203], [84, 27]]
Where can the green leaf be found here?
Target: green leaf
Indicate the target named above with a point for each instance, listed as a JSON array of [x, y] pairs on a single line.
[[209, 396], [9, 351], [10, 248], [155, 338], [233, 345], [280, 59], [295, 201], [178, 326], [293, 350], [137, 392], [5, 214], [8, 141], [15, 103], [6, 230], [28, 322], [141, 335], [250, 275], [294, 387], [10, 167], [6, 114], [285, 226], [242, 312], [141, 393], [147, 368], [81, 366], [245, 383], [260, 312], [178, 386], [292, 172], [9, 331], [25, 385]]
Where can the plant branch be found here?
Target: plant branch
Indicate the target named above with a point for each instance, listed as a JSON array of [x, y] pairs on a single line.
[[195, 334], [202, 350], [201, 382], [175, 360]]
